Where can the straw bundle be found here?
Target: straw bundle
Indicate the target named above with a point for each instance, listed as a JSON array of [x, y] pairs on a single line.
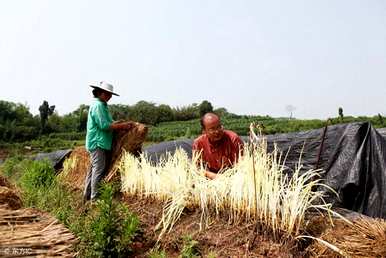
[[130, 141], [75, 168], [364, 237], [10, 198], [30, 233]]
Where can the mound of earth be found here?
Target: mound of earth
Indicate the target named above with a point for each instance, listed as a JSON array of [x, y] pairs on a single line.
[[219, 238], [358, 236]]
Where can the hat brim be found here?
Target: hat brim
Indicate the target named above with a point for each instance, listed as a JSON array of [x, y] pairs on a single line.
[[97, 87]]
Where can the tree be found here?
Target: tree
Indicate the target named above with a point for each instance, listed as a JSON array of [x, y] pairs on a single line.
[[340, 112], [221, 112], [187, 112], [380, 118], [145, 112], [45, 111], [54, 124], [205, 107], [290, 109], [121, 112], [82, 113], [16, 122], [165, 113]]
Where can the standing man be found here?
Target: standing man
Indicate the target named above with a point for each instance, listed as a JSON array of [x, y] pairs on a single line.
[[100, 127], [219, 148]]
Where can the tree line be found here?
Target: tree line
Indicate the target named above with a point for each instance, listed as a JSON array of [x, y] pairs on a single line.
[[18, 124]]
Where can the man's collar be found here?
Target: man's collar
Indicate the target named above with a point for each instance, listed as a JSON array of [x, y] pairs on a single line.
[[98, 100]]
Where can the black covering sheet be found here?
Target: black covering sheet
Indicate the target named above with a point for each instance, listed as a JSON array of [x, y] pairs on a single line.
[[352, 156], [56, 158], [156, 152]]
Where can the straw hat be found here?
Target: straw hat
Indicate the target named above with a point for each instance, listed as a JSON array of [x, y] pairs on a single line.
[[105, 86]]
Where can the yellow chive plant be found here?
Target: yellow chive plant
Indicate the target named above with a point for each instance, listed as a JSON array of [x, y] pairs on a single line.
[[255, 190]]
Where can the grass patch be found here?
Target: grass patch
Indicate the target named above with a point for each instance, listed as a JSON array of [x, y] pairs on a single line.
[[105, 228]]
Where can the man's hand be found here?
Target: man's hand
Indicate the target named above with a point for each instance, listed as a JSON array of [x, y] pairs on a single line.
[[210, 175]]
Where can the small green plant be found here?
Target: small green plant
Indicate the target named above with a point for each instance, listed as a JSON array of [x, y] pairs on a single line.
[[190, 248], [112, 226], [212, 255], [157, 254]]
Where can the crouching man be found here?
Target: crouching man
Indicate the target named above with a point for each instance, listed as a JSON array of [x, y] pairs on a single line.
[[219, 148]]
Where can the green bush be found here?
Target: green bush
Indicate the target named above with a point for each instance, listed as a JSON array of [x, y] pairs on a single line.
[[112, 227], [39, 174]]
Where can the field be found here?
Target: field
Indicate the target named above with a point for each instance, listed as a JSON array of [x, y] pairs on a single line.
[[172, 213], [189, 129]]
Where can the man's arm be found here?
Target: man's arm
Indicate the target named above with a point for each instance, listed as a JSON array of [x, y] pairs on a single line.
[[122, 125], [197, 151]]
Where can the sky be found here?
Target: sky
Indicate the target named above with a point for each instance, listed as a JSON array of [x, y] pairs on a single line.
[[251, 57]]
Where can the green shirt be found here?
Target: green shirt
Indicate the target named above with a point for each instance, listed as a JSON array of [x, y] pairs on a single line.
[[99, 120]]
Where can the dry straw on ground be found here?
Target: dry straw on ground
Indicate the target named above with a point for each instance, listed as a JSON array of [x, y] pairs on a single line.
[[75, 167], [31, 233], [363, 237], [28, 232]]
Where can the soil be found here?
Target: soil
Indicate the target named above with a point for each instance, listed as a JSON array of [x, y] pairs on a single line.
[[220, 237]]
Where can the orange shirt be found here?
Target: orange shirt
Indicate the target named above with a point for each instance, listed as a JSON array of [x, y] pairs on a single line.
[[222, 155]]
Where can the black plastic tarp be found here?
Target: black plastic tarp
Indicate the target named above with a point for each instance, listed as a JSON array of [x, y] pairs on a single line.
[[156, 152], [56, 158], [352, 156], [357, 170]]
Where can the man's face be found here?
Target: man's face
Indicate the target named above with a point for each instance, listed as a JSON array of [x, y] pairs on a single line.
[[105, 96], [213, 129]]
